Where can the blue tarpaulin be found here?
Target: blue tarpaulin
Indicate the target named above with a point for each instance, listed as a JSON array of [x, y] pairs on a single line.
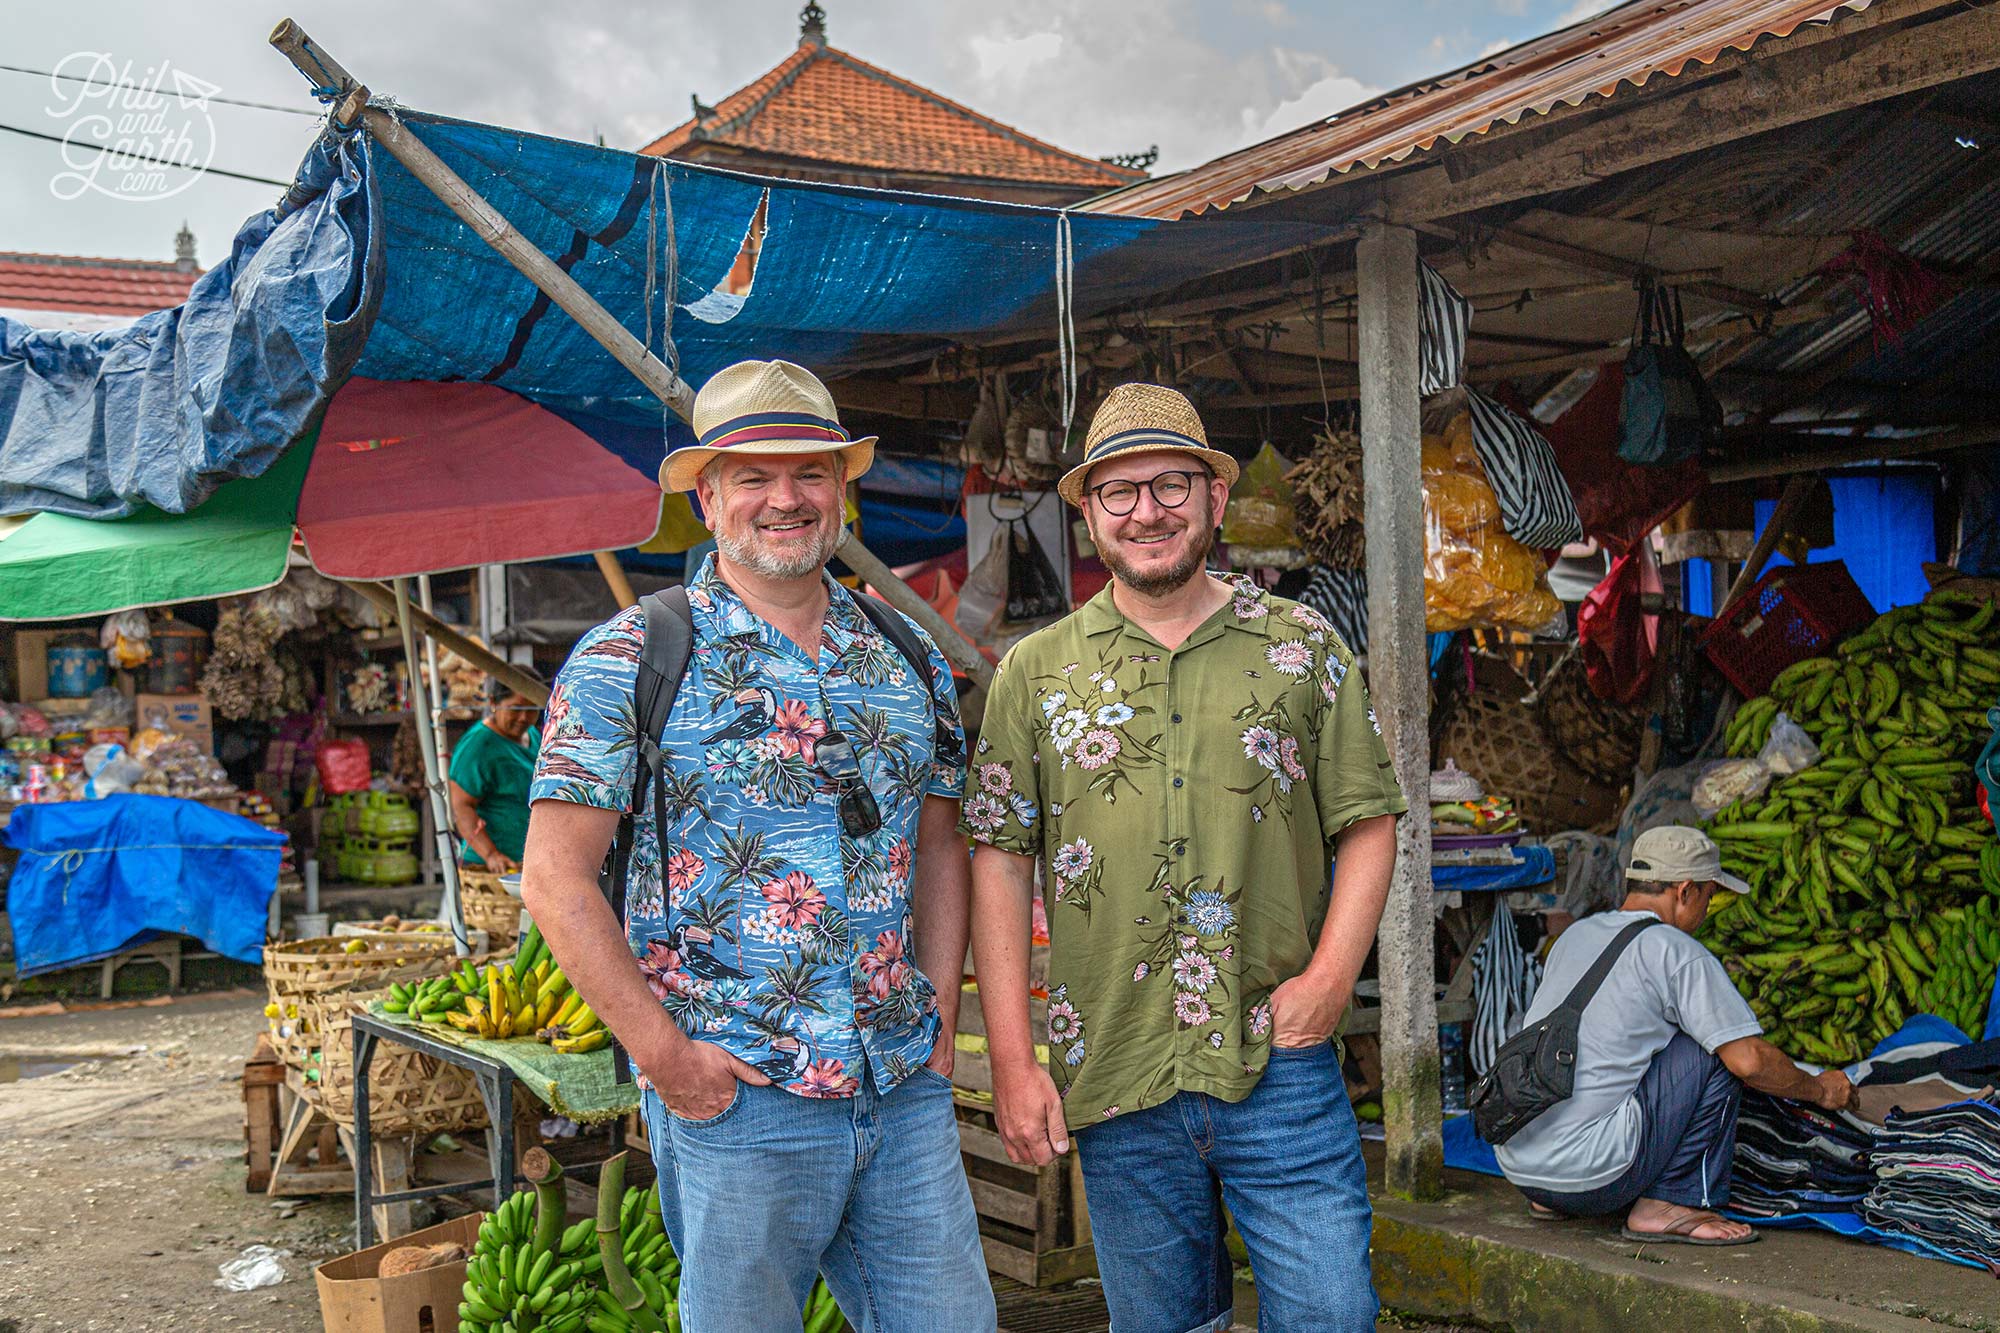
[[362, 270], [98, 877]]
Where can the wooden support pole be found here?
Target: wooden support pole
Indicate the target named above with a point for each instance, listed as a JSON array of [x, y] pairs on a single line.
[[1789, 504], [487, 222], [491, 663], [614, 578], [434, 771], [1399, 682], [904, 598]]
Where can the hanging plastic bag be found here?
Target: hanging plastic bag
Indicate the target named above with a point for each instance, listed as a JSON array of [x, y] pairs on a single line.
[[1788, 749], [1474, 573], [343, 766], [127, 639], [1669, 413], [1034, 593], [1727, 781], [1261, 511], [1616, 638], [983, 596]]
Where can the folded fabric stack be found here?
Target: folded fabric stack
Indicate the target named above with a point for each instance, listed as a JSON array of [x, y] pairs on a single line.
[[1938, 1178], [1791, 1159]]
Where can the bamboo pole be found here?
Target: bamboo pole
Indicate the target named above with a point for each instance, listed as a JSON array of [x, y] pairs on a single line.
[[614, 579], [904, 598], [427, 743], [471, 650], [489, 225], [1789, 504]]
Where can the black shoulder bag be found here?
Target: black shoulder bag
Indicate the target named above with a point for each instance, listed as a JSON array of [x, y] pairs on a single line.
[[1536, 1068], [663, 660]]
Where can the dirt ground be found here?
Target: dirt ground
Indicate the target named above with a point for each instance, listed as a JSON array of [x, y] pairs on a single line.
[[121, 1177], [121, 1180]]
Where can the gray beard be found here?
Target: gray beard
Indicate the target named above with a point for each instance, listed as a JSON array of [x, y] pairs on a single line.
[[766, 565], [1167, 580]]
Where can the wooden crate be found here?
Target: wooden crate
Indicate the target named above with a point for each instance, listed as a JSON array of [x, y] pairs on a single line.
[[1034, 1225], [263, 1126]]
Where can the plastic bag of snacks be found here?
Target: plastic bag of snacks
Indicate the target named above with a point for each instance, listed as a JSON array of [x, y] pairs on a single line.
[[1474, 573], [1261, 514]]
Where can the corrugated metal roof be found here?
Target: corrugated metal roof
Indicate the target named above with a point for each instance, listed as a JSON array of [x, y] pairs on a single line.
[[1630, 44]]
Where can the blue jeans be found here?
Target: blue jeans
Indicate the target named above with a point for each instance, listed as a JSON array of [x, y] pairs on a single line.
[[1286, 1161], [868, 1190], [1687, 1138]]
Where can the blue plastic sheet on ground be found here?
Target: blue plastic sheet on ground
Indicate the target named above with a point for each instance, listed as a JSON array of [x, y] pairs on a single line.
[[98, 877], [1465, 1150], [365, 271], [1536, 865]]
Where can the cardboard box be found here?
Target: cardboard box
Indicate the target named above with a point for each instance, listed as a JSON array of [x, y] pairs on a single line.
[[352, 1299], [186, 715]]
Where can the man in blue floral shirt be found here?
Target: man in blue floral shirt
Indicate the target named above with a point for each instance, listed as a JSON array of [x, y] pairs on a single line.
[[780, 1009]]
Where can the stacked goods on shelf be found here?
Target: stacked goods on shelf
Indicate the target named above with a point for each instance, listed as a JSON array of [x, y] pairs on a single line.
[[368, 837], [614, 1273], [1876, 877]]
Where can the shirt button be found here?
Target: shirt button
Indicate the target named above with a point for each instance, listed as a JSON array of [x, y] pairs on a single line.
[[1177, 717], [1177, 782], [1180, 849]]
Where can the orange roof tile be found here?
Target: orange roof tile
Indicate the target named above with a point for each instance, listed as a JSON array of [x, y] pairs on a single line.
[[823, 104], [91, 286]]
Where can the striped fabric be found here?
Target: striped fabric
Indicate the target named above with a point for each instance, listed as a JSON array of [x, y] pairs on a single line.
[[1445, 318], [1535, 502], [773, 426], [1341, 595]]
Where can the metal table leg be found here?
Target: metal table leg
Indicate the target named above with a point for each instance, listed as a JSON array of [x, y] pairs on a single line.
[[364, 1154]]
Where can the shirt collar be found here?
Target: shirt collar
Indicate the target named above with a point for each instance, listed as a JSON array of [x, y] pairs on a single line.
[[1249, 609], [732, 619]]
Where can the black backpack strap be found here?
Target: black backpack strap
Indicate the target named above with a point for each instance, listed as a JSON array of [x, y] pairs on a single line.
[[663, 660], [903, 635], [1586, 988]]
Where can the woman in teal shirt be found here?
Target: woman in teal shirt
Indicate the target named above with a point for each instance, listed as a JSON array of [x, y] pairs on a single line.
[[491, 767]]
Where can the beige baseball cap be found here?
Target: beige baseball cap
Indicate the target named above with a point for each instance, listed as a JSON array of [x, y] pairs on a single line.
[[1673, 852]]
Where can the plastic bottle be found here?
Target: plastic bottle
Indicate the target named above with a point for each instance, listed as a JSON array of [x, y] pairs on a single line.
[[1451, 1066]]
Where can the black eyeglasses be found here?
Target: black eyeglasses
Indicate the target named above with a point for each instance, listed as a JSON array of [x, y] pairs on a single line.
[[859, 815], [1170, 491]]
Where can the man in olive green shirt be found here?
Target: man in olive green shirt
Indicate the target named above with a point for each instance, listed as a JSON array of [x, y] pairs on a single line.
[[1182, 756]]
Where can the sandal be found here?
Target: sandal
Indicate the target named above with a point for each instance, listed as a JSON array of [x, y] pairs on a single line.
[[1681, 1232]]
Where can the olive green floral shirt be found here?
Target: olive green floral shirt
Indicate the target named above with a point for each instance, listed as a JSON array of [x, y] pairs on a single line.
[[1183, 805]]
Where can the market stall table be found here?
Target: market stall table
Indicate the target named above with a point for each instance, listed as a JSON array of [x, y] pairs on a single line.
[[495, 1070], [1483, 880]]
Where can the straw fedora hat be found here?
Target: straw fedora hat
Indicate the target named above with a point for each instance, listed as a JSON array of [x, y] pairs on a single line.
[[1142, 418], [763, 407]]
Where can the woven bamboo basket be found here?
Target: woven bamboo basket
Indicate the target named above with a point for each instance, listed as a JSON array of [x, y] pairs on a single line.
[[1495, 736], [408, 1092], [296, 972], [1600, 738], [488, 907]]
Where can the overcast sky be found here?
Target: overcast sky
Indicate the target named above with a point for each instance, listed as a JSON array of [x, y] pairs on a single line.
[[1196, 77]]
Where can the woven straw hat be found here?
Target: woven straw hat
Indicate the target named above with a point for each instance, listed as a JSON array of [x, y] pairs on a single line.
[[763, 407], [1141, 418]]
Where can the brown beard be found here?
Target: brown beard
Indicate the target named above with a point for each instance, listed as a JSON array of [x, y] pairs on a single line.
[[1192, 562]]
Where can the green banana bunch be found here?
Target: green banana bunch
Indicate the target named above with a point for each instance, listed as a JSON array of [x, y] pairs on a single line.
[[430, 1000], [1876, 879]]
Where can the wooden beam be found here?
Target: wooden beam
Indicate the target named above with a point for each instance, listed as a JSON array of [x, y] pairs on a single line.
[[1576, 256], [1399, 681], [1862, 451], [917, 402], [614, 579], [1859, 60]]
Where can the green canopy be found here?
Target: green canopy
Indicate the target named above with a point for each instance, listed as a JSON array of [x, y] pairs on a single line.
[[54, 567]]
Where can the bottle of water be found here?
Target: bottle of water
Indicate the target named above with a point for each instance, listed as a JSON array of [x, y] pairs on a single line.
[[1451, 1066]]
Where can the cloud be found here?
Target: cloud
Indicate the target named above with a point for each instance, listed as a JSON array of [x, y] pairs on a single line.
[[1584, 9], [1011, 58], [1324, 98]]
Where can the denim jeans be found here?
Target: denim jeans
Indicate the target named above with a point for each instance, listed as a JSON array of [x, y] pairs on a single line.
[[1687, 1138], [1286, 1161], [868, 1190]]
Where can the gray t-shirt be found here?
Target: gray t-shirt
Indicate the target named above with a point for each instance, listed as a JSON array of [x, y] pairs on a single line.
[[1665, 983]]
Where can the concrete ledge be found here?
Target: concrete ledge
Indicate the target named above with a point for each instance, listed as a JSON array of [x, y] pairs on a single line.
[[1478, 1255]]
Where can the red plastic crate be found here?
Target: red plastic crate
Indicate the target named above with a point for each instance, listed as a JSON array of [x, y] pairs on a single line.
[[1792, 613]]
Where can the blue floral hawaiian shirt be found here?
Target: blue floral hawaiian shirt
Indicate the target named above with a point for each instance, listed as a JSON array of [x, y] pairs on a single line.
[[772, 932]]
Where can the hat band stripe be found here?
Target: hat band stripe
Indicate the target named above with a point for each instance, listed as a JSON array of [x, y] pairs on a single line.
[[1149, 437], [773, 426]]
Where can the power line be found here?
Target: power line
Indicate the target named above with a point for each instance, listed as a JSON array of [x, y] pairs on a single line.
[[157, 161], [226, 101]]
